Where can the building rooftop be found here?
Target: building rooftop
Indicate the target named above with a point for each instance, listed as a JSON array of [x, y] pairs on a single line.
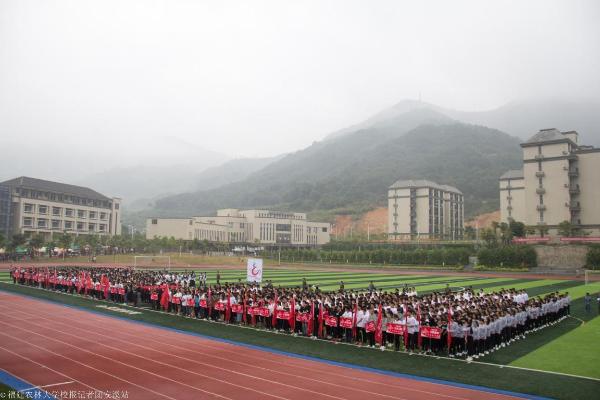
[[548, 135], [25, 182], [419, 183], [513, 174]]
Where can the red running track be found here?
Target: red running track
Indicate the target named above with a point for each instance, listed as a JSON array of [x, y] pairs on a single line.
[[61, 348]]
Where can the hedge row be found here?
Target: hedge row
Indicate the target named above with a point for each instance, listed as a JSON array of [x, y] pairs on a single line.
[[508, 256], [593, 257]]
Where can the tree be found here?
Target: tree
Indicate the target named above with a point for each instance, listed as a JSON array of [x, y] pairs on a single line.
[[35, 242], [64, 241], [542, 229], [469, 233], [567, 229], [505, 233], [517, 228], [488, 235], [17, 240]]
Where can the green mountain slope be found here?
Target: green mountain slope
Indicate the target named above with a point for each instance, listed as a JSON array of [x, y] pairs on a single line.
[[352, 172]]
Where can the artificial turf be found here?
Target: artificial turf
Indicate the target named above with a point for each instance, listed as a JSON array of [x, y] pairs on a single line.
[[532, 382]]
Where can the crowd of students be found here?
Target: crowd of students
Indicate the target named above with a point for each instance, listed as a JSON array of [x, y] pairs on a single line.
[[468, 323]]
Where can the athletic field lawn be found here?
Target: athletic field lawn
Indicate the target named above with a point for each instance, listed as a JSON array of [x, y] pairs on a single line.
[[570, 347]]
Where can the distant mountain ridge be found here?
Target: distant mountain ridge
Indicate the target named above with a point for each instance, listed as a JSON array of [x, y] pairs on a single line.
[[352, 171], [518, 118]]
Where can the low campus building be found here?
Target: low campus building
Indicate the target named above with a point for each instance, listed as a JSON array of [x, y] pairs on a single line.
[[421, 209], [244, 227], [34, 206], [559, 182]]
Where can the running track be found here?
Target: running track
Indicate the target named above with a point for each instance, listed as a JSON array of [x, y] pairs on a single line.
[[62, 348]]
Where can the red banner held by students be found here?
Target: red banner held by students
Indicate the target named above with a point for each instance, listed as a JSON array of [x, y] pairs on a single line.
[[395, 329], [431, 332], [345, 322], [330, 320], [370, 326]]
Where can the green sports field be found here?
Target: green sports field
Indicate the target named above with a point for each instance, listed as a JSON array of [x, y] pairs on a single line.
[[568, 351]]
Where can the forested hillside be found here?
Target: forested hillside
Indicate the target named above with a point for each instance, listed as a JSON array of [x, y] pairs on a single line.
[[351, 173]]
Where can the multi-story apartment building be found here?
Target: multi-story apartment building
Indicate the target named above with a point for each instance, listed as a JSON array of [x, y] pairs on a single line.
[[559, 182], [421, 209], [244, 226], [35, 206]]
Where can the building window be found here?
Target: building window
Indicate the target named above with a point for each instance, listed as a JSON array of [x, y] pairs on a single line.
[[41, 223], [68, 225], [102, 228], [80, 213], [103, 215], [117, 206], [80, 226], [91, 227], [43, 209], [68, 212], [93, 215], [55, 224], [28, 221], [28, 208], [324, 229], [56, 211]]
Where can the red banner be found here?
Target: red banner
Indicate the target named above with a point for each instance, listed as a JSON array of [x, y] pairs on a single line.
[[302, 317], [283, 314], [331, 321], [431, 332], [531, 240], [237, 308], [203, 303], [584, 239], [219, 306], [263, 311], [345, 322], [370, 326], [395, 329]]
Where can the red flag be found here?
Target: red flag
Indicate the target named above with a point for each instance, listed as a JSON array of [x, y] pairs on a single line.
[[449, 334], [253, 305], [274, 320], [354, 317], [244, 308], [379, 327], [405, 326], [419, 338], [292, 320], [320, 333], [228, 308], [105, 283], [209, 302], [311, 319], [164, 298]]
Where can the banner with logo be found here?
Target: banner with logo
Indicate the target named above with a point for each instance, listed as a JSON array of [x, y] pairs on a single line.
[[254, 270], [431, 332], [395, 329], [345, 322]]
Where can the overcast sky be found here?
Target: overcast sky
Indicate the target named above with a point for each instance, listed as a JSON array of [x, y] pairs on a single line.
[[258, 78]]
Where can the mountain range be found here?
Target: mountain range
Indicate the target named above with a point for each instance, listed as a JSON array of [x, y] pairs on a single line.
[[349, 171]]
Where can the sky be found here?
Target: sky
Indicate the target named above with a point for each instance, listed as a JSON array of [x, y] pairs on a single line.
[[112, 82]]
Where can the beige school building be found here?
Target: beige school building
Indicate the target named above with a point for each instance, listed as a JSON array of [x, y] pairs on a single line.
[[421, 209], [559, 181], [35, 206], [263, 227]]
